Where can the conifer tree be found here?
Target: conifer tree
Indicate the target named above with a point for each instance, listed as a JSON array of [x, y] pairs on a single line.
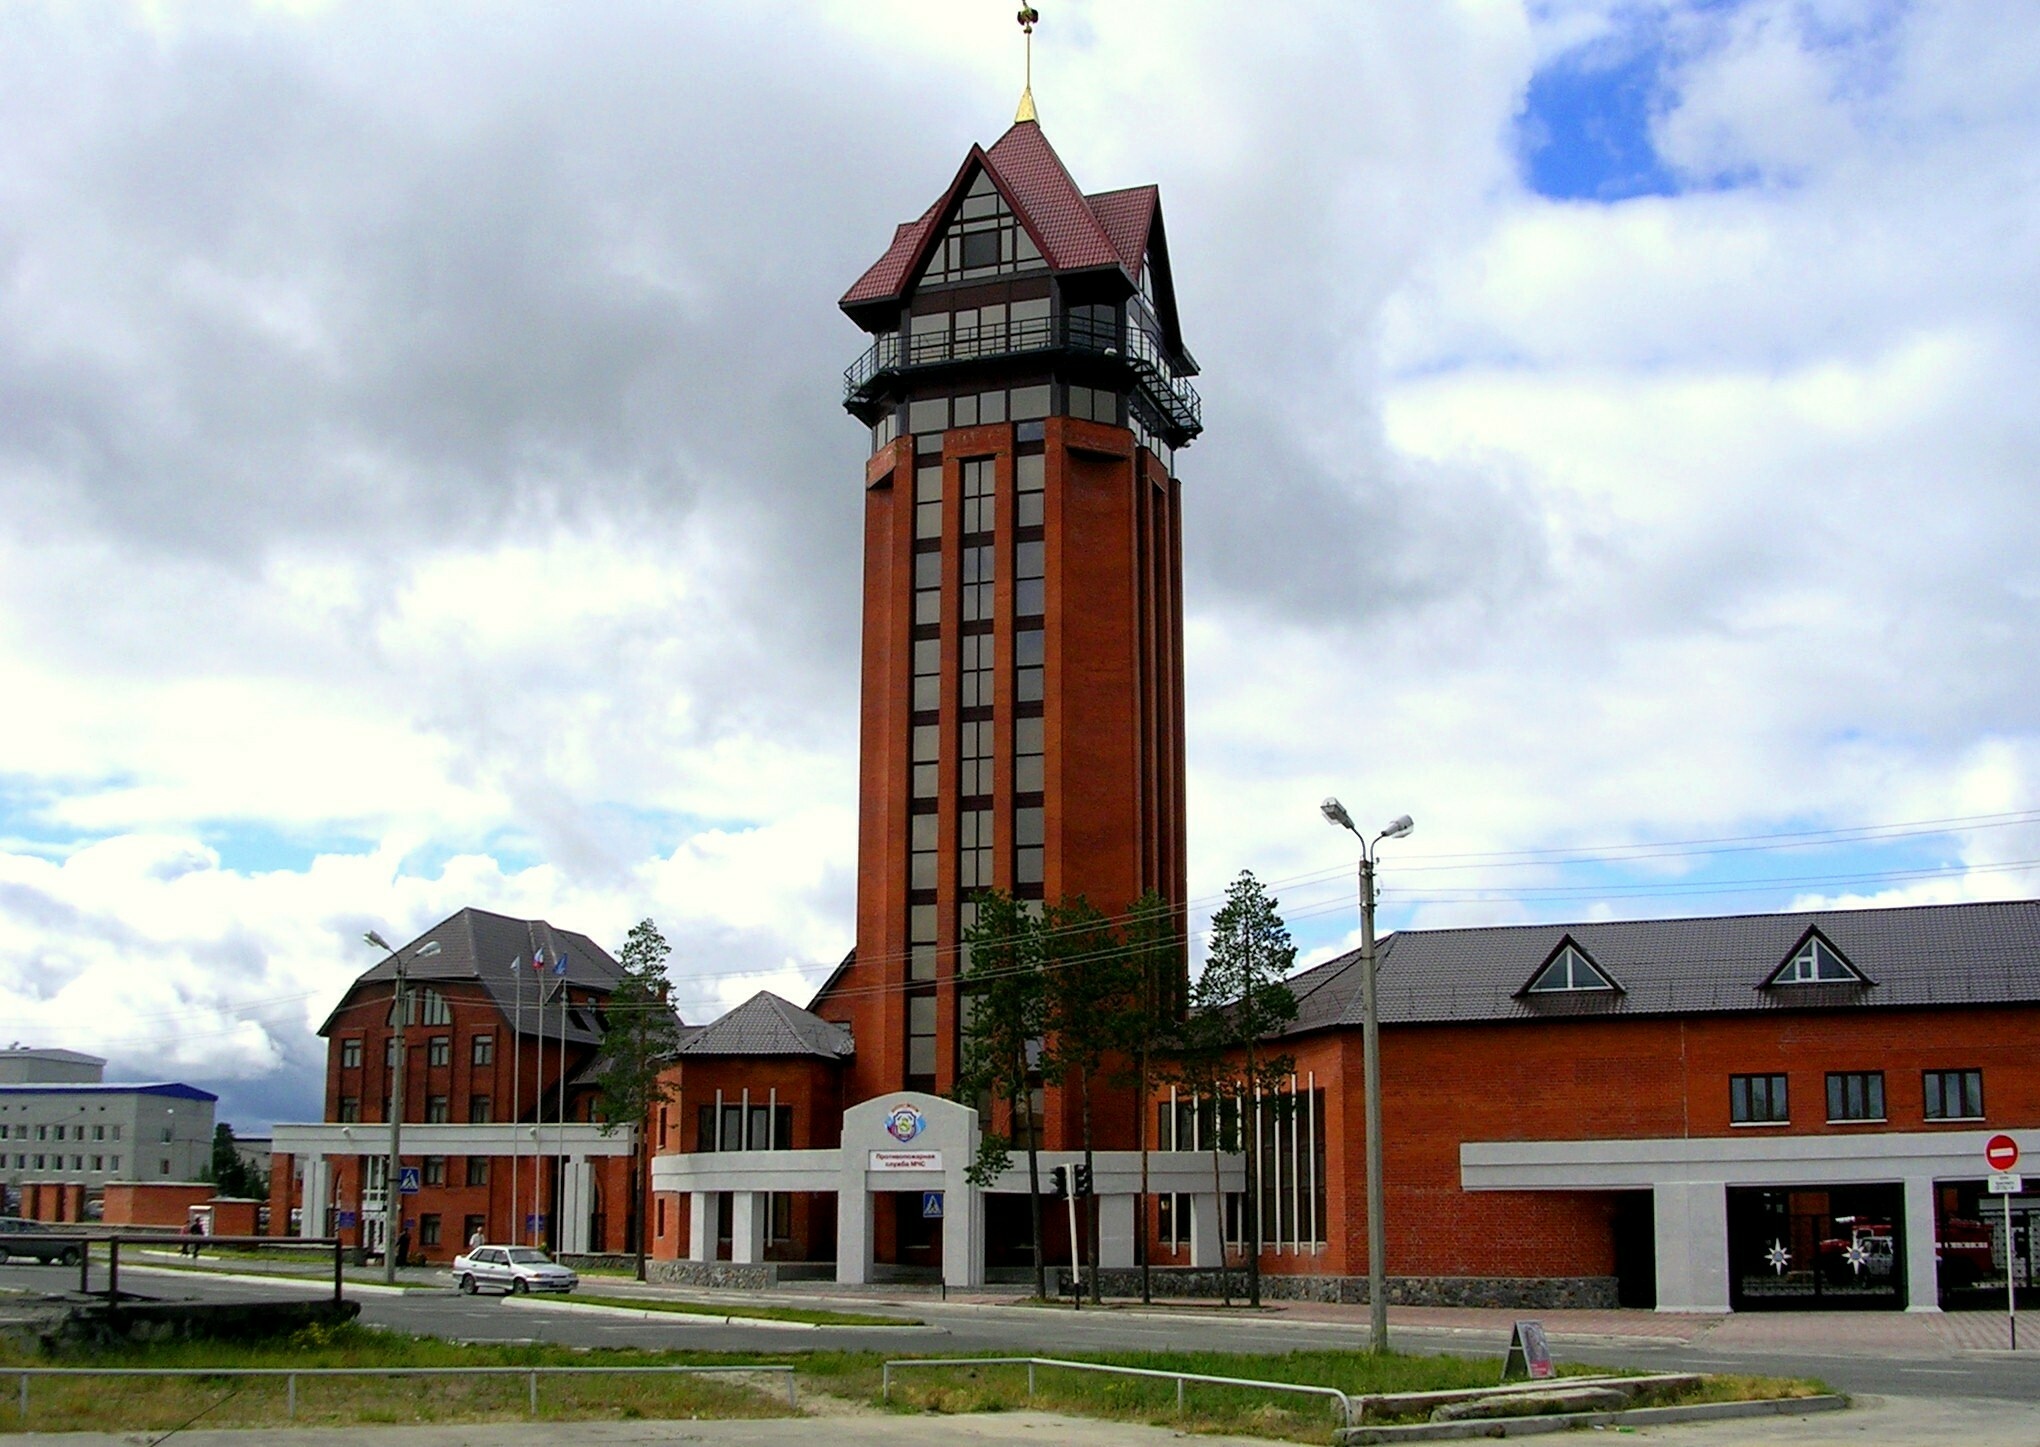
[[640, 1036]]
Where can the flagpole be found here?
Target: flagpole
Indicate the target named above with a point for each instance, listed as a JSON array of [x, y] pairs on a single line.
[[560, 1176], [537, 1091], [516, 1089]]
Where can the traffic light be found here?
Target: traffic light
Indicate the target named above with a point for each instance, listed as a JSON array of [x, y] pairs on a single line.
[[1058, 1183], [1083, 1179]]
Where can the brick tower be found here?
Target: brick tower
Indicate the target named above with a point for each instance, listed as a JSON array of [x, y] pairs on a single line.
[[1022, 722]]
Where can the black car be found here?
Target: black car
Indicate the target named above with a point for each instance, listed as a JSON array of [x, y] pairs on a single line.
[[22, 1240]]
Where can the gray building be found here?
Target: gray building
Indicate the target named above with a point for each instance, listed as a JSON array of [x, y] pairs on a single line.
[[61, 1123]]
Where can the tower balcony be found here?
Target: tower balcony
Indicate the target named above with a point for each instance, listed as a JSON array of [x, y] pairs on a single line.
[[894, 355]]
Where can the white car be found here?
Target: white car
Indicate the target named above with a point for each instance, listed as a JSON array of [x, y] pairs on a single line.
[[512, 1269]]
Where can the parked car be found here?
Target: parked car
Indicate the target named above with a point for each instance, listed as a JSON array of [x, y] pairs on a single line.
[[512, 1269], [23, 1240]]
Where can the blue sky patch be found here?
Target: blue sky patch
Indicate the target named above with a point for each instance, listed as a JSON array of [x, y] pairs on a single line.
[[1584, 134]]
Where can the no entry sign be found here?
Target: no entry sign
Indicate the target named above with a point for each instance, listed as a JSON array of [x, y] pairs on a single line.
[[2002, 1152]]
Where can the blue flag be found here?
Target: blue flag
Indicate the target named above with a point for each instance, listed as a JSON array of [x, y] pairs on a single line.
[[516, 965], [560, 964]]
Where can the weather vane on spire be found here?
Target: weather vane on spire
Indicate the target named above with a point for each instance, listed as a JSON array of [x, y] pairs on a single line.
[[1028, 17]]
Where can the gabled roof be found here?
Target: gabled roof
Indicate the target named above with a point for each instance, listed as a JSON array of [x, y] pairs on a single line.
[[1923, 955], [767, 1025], [1075, 232], [1815, 938], [475, 945], [1580, 959]]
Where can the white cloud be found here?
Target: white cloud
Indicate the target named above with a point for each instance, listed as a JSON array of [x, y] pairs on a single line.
[[421, 482]]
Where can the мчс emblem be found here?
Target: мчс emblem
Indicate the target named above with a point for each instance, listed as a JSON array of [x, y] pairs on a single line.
[[904, 1123]]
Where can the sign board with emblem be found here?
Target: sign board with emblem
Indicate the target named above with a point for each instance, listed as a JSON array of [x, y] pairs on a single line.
[[1529, 1353], [931, 1205]]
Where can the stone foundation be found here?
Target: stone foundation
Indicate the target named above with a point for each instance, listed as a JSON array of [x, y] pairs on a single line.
[[720, 1274], [600, 1260], [1533, 1293]]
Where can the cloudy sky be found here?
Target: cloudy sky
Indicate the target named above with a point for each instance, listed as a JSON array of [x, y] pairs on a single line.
[[423, 481]]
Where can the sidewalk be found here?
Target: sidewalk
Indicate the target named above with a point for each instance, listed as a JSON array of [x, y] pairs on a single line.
[[1873, 1422]]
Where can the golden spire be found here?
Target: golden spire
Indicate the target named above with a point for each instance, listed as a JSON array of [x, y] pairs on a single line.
[[1027, 17]]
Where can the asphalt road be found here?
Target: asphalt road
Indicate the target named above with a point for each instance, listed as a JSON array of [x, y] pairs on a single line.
[[1018, 1330]]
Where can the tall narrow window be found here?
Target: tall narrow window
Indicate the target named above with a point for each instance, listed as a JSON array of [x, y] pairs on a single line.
[[921, 940], [1029, 482], [1028, 736], [928, 501], [927, 744], [921, 859], [927, 587], [979, 571], [978, 654], [921, 1035], [974, 767], [974, 849], [1030, 596], [1028, 836], [978, 476], [927, 697]]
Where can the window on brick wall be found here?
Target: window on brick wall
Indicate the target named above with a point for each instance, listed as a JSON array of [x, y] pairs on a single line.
[[1855, 1095], [436, 1110], [478, 1170], [435, 1170], [428, 1229], [1952, 1094], [439, 1051], [350, 1054], [480, 1110], [1757, 1100], [484, 1050]]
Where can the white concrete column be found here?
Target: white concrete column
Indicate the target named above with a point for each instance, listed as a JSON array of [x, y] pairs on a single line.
[[703, 1225], [1692, 1246], [1922, 1282], [963, 1235], [854, 1230], [750, 1214], [580, 1196], [313, 1219], [1207, 1232], [1116, 1232]]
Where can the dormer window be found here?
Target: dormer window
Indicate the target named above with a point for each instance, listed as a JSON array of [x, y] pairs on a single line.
[[1569, 971], [1816, 962], [985, 239]]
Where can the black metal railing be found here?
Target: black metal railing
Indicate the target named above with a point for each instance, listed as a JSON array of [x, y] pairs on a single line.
[[895, 352]]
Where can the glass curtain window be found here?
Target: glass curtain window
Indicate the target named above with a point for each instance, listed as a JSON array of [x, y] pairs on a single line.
[[921, 941], [979, 653], [1030, 471], [928, 502], [1030, 591], [927, 698], [1029, 735]]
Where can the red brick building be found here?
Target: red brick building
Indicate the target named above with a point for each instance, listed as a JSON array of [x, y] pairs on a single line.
[[499, 1118]]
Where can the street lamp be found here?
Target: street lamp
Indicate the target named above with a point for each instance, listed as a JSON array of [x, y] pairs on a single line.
[[1370, 1056], [393, 1198]]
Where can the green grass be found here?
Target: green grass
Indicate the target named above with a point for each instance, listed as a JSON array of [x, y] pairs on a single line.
[[806, 1315], [141, 1404], [144, 1405]]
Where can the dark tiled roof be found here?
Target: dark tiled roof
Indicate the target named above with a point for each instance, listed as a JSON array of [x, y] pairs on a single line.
[[479, 946], [1075, 232], [768, 1025], [1923, 955], [1126, 216]]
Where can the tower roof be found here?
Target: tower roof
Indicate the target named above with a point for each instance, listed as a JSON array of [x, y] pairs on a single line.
[[1075, 232]]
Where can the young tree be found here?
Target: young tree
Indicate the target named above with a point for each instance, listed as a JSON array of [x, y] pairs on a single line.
[[231, 1175], [1242, 986], [1003, 1015], [640, 1035], [1153, 947], [1090, 990]]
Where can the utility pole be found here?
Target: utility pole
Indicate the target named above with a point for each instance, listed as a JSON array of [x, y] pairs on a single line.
[[393, 1196]]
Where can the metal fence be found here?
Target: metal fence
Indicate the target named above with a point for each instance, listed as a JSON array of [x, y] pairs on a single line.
[[1179, 1378], [196, 1244], [292, 1375]]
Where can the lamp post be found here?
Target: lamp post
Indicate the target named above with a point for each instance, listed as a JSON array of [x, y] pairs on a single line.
[[1370, 1055], [393, 1198]]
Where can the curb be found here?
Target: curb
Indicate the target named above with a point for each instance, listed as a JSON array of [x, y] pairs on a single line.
[[1572, 1421], [681, 1318], [323, 1288]]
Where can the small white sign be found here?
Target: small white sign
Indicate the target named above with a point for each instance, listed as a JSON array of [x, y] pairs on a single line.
[[2007, 1183], [906, 1160]]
